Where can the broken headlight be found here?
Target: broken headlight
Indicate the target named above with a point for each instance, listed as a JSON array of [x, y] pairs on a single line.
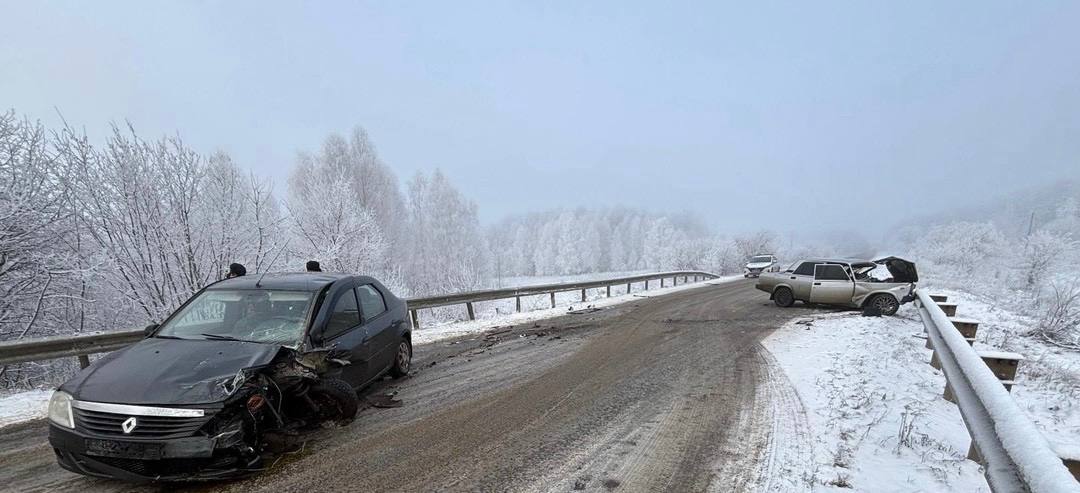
[[60, 409]]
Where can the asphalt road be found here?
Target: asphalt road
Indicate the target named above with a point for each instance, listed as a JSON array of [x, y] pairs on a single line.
[[666, 393]]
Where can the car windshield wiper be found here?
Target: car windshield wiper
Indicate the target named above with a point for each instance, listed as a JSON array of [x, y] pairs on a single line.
[[159, 336], [219, 337]]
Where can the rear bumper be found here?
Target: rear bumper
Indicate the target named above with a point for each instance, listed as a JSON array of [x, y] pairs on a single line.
[[177, 459]]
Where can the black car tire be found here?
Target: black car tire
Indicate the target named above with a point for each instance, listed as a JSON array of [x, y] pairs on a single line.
[[783, 297], [886, 303], [402, 359], [339, 394]]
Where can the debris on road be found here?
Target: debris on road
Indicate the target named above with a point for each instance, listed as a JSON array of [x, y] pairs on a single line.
[[384, 400]]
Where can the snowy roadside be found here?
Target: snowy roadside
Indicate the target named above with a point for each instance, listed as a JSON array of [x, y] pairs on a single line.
[[874, 405], [1048, 380], [23, 406], [30, 405], [501, 312]]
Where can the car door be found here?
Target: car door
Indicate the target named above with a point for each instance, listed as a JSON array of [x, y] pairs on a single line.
[[344, 330], [831, 285], [800, 280], [382, 336]]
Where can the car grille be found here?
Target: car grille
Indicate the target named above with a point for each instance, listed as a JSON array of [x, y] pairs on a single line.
[[111, 424], [168, 467]]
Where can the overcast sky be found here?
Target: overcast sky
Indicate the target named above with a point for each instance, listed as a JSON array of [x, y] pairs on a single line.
[[791, 116]]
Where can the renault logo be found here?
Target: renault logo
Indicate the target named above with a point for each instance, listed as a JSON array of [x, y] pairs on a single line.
[[128, 424]]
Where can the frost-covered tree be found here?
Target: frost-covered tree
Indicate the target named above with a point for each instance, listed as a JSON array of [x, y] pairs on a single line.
[[755, 244], [372, 184], [165, 220], [962, 249], [329, 226], [446, 250], [1043, 252], [34, 216]]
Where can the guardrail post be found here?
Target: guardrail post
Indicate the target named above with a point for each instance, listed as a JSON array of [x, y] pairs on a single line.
[[468, 306], [948, 393], [968, 328], [84, 360], [973, 453], [609, 291], [415, 319], [1073, 465], [646, 285], [582, 295], [948, 308], [628, 286], [553, 299], [1003, 364], [661, 282], [517, 303]]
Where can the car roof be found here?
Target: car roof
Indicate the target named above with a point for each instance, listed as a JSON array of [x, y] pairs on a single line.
[[296, 281]]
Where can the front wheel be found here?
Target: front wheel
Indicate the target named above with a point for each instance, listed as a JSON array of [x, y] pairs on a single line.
[[886, 303], [335, 400], [783, 297], [402, 360]]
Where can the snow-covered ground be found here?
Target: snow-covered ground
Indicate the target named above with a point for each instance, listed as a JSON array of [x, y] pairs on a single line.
[[23, 406], [874, 404], [1048, 380]]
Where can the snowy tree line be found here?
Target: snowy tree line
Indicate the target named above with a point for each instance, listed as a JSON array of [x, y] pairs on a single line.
[[116, 234], [1024, 253]]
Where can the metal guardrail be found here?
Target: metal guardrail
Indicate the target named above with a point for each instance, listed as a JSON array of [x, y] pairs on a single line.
[[1014, 454], [468, 298], [82, 346]]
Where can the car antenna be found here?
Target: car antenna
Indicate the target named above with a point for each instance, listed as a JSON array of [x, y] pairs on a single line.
[[271, 265]]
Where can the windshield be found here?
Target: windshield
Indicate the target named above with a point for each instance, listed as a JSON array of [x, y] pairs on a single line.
[[254, 315], [755, 260]]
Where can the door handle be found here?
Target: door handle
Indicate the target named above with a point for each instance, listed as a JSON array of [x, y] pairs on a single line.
[[817, 284], [792, 277]]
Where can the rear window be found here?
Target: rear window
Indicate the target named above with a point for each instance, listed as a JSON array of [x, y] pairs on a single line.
[[806, 269], [830, 272], [371, 301]]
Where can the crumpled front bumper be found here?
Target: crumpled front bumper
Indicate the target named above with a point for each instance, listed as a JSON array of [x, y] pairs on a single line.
[[177, 459]]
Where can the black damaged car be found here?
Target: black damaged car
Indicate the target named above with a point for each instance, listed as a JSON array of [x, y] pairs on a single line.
[[231, 379]]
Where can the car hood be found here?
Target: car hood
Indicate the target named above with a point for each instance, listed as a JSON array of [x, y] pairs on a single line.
[[159, 371], [758, 265]]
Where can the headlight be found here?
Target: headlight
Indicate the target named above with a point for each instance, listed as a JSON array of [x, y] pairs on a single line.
[[60, 409]]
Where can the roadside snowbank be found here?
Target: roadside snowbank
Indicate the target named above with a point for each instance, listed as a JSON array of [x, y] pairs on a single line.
[[23, 406], [874, 405]]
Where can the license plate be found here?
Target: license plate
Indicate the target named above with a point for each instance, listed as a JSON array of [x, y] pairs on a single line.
[[123, 450]]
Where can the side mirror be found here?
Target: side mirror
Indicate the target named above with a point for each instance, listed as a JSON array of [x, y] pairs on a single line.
[[149, 330]]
